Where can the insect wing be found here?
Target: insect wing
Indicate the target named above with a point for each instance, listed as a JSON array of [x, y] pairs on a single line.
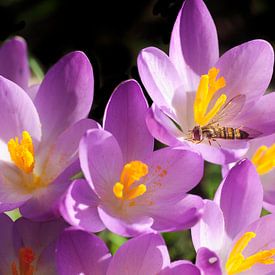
[[230, 110], [252, 133]]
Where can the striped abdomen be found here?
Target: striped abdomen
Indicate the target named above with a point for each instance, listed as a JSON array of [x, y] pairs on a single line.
[[224, 133]]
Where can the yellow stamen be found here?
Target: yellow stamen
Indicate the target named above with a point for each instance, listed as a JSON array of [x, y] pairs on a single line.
[[22, 153], [132, 172], [208, 86], [264, 159], [26, 258], [237, 263]]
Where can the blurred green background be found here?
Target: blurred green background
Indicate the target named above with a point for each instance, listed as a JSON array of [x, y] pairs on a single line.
[[112, 33]]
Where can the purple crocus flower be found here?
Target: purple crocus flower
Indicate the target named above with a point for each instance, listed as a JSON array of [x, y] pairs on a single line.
[[79, 252], [28, 247], [130, 189], [262, 153], [39, 140], [231, 238], [193, 88]]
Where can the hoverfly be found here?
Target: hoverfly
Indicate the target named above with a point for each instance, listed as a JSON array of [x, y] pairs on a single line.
[[214, 130]]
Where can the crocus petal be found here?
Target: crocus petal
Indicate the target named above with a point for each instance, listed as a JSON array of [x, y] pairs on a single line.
[[46, 264], [208, 262], [261, 116], [44, 204], [14, 61], [225, 151], [161, 127], [101, 160], [166, 176], [209, 231], [240, 68], [17, 113], [79, 252], [159, 77], [32, 91], [133, 226], [176, 215], [180, 267], [264, 240], [194, 43], [11, 195], [7, 254], [125, 118], [64, 150], [242, 207], [65, 95], [79, 207], [36, 235], [146, 254]]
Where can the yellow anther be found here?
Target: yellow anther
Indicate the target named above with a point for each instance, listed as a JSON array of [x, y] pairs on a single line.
[[208, 86], [22, 153], [237, 263], [132, 172], [264, 159], [118, 190]]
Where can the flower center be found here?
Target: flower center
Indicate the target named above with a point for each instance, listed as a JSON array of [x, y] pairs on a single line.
[[132, 172], [26, 258], [208, 86], [264, 159], [237, 263], [22, 153]]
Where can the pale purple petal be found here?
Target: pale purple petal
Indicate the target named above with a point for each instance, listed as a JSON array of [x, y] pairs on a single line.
[[79, 207], [146, 254], [125, 226], [240, 68], [79, 252], [161, 127], [225, 152], [176, 215], [17, 113], [32, 91], [12, 195], [101, 161], [64, 150], [209, 231], [261, 116], [159, 77], [244, 206], [125, 118], [46, 264], [194, 45], [14, 61], [209, 262], [7, 253], [65, 95], [180, 267], [44, 204], [173, 172]]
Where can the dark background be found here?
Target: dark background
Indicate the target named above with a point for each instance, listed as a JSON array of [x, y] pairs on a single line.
[[112, 33]]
